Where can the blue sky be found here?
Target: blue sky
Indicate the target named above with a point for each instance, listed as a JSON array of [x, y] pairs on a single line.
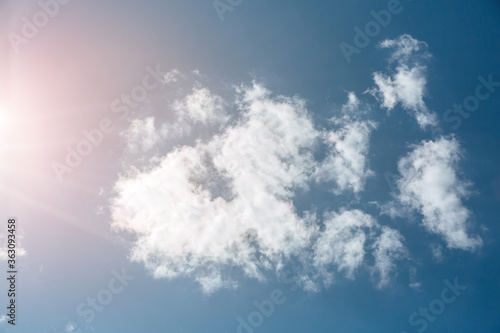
[[226, 166]]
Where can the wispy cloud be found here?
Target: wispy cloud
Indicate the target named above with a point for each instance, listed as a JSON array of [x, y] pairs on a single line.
[[200, 107], [388, 249], [346, 161], [406, 83], [347, 238]]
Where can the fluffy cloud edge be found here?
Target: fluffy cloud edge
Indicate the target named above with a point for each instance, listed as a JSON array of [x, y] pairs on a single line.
[[249, 173], [431, 184], [407, 82]]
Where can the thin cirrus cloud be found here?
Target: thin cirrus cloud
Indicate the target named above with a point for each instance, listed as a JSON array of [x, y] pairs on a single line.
[[227, 202], [407, 82]]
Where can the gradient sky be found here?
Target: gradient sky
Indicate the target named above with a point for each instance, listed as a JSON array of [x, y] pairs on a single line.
[[261, 159]]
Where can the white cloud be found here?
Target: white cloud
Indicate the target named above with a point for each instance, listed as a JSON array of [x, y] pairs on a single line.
[[200, 107], [343, 242], [214, 282], [388, 249], [346, 240], [431, 185], [228, 202], [408, 82], [142, 135], [346, 161], [437, 252], [353, 109], [172, 76], [405, 47], [417, 286]]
